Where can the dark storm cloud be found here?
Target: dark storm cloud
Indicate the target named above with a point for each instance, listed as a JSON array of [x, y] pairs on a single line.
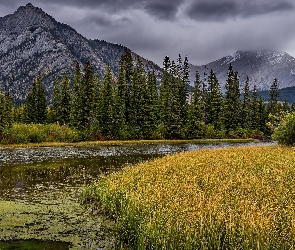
[[206, 10], [227, 9], [165, 10], [204, 30]]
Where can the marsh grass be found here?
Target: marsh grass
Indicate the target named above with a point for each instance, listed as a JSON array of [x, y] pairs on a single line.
[[120, 143], [235, 198]]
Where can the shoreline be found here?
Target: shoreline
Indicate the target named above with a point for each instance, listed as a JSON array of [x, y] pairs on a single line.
[[120, 143]]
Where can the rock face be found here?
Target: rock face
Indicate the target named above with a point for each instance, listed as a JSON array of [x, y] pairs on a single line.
[[261, 67], [33, 42]]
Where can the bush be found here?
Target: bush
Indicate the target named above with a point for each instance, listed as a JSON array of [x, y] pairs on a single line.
[[35, 133], [285, 132]]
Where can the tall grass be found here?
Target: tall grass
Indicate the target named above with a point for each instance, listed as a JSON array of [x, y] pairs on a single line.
[[36, 133], [236, 198]]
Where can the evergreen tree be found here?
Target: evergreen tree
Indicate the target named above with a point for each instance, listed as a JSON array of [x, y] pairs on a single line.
[[85, 98], [255, 116], [196, 111], [150, 107], [5, 111], [36, 102], [165, 97], [214, 103], [127, 70], [120, 102], [65, 101], [273, 105], [105, 115], [247, 111], [232, 101], [76, 100], [56, 103]]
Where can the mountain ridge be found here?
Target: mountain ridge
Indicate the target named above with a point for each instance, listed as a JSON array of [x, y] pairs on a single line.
[[260, 66], [33, 42]]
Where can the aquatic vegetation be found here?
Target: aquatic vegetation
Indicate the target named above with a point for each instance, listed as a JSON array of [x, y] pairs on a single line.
[[234, 198], [54, 220]]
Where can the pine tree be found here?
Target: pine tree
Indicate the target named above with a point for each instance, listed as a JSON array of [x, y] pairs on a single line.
[[127, 62], [183, 94], [36, 103], [196, 110], [65, 100], [76, 100], [105, 115], [165, 100], [56, 103], [214, 103], [255, 109], [85, 96], [232, 111], [120, 102], [5, 111], [247, 111], [273, 105]]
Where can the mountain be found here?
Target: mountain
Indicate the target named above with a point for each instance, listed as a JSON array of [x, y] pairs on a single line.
[[285, 94], [261, 67], [33, 42]]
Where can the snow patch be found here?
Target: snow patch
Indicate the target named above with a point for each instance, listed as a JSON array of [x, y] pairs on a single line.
[[231, 58]]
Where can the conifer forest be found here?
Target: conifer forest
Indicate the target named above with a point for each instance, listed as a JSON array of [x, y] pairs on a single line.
[[136, 105]]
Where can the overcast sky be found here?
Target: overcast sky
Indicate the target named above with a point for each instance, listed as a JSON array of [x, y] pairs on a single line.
[[204, 30]]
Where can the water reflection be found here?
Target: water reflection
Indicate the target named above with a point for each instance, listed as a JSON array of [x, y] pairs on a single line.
[[28, 172]]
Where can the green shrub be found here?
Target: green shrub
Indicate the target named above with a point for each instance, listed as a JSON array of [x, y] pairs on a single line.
[[35, 133], [285, 132]]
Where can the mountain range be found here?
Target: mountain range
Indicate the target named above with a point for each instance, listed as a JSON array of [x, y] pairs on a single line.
[[33, 42], [262, 67]]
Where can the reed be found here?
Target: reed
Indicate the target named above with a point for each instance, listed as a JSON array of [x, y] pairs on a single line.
[[235, 198]]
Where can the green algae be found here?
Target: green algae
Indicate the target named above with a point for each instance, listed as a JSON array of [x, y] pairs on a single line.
[[60, 220]]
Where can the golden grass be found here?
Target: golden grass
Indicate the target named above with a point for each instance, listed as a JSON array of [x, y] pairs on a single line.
[[119, 143], [235, 198]]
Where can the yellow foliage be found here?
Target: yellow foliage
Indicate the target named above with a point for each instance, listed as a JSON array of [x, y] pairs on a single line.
[[235, 198]]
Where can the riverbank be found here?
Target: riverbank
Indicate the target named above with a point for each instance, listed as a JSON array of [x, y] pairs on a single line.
[[129, 142], [208, 199]]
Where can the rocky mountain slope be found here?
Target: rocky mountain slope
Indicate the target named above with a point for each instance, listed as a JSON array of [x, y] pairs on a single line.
[[261, 67], [31, 41]]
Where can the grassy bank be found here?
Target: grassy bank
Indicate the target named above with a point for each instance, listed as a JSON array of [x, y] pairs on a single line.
[[129, 142], [236, 198]]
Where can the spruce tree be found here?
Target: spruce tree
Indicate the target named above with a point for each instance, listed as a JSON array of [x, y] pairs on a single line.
[[120, 102], [36, 103], [232, 107], [273, 105], [6, 110], [127, 61], [56, 103], [85, 97], [76, 100], [196, 110], [105, 115], [255, 116], [151, 106], [214, 103], [165, 98], [65, 101], [247, 111]]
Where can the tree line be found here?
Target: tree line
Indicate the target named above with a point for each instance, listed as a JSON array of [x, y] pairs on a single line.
[[133, 106]]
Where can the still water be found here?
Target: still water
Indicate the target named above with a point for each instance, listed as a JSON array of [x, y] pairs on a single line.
[[40, 187]]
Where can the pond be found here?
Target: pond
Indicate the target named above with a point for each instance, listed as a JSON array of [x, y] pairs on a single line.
[[40, 187]]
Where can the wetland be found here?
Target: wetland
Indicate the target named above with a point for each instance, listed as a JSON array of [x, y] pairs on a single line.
[[40, 189]]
